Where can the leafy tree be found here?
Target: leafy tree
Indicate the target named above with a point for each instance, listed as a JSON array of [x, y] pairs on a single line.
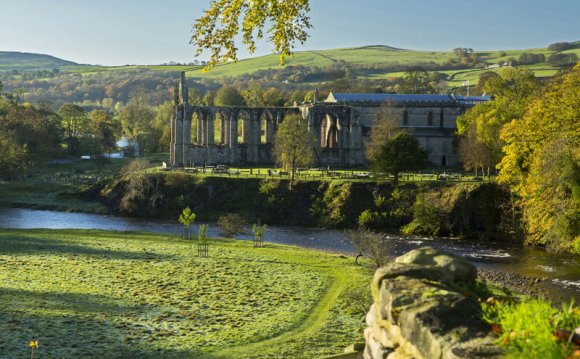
[[466, 56], [202, 234], [186, 218], [542, 164], [215, 31], [36, 130], [527, 58], [162, 126], [253, 95], [259, 231], [385, 126], [13, 156], [294, 145], [371, 244], [484, 77], [565, 59], [104, 129], [560, 46], [474, 154], [231, 224], [136, 118], [512, 91], [228, 96], [273, 97], [74, 122], [398, 153], [417, 81]]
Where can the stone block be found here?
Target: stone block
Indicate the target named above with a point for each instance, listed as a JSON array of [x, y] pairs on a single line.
[[456, 269], [417, 313]]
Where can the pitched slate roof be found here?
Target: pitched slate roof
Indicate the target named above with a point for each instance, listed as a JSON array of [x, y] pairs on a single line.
[[384, 97]]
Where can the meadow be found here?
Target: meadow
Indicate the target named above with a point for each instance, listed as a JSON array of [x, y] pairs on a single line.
[[88, 293]]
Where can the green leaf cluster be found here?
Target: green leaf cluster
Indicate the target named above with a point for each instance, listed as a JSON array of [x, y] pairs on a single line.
[[398, 153], [216, 30]]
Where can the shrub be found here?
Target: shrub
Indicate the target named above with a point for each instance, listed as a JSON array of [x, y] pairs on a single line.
[[370, 244], [427, 219], [365, 219], [259, 231], [186, 218], [533, 329], [231, 224], [202, 234]]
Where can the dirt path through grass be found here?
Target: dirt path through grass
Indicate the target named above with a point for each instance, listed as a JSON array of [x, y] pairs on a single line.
[[319, 317]]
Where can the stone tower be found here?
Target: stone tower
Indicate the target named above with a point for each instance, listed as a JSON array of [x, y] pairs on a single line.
[[180, 124]]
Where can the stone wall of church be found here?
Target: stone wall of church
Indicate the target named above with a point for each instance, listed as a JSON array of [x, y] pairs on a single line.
[[435, 132], [341, 130]]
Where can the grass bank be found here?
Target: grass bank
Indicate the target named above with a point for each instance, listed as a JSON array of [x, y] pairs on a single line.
[[125, 294]]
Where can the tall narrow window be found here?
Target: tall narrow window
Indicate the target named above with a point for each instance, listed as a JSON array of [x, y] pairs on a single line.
[[441, 118], [430, 119], [405, 118]]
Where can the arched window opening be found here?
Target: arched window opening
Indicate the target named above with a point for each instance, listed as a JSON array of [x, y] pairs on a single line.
[[430, 119], [441, 122], [244, 128], [331, 132], [194, 126], [443, 161], [217, 129]]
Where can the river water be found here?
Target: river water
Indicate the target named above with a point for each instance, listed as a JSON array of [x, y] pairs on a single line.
[[560, 274]]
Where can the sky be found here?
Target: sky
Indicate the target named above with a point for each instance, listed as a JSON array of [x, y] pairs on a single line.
[[120, 32]]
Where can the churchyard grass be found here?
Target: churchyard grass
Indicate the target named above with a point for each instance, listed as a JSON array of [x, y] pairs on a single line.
[[88, 293]]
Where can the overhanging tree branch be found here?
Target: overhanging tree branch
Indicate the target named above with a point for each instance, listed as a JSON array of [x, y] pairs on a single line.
[[215, 31]]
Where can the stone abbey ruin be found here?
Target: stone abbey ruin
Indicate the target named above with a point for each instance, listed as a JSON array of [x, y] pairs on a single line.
[[341, 125]]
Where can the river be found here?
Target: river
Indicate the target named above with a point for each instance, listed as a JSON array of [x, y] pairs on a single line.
[[560, 275]]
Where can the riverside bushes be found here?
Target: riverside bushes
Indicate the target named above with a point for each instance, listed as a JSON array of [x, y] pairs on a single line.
[[460, 209]]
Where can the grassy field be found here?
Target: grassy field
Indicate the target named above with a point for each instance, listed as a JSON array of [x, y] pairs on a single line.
[[138, 295]]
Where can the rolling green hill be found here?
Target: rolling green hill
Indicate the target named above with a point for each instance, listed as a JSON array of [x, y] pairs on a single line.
[[374, 62], [22, 61], [381, 55]]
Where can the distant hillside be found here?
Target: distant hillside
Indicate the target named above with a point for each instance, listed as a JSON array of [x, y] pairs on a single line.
[[374, 62], [23, 61], [382, 62], [359, 69]]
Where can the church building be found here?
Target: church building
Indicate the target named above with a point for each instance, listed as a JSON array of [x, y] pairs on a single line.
[[341, 124]]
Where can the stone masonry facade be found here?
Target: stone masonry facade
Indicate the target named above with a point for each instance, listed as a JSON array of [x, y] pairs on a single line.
[[341, 125]]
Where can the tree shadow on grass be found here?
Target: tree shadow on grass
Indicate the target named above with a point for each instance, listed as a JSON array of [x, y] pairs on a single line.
[[37, 245], [71, 325]]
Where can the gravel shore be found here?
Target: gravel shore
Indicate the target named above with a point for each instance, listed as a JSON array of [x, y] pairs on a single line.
[[514, 282]]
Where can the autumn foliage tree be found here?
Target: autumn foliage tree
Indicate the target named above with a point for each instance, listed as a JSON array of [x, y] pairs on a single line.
[[542, 164], [294, 145], [512, 92]]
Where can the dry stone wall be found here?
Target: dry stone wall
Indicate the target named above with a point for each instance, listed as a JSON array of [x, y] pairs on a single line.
[[419, 312]]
